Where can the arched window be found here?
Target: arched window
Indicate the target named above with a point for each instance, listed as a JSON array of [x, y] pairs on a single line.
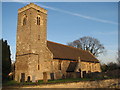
[[38, 20], [24, 21]]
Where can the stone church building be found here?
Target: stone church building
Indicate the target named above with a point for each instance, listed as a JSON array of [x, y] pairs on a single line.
[[35, 56]]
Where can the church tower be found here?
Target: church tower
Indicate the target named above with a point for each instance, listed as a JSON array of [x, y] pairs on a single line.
[[33, 58]]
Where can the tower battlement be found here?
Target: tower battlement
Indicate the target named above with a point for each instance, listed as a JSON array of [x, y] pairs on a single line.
[[32, 5]]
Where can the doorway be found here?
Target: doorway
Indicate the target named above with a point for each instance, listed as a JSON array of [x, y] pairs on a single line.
[[22, 77], [84, 74], [28, 79]]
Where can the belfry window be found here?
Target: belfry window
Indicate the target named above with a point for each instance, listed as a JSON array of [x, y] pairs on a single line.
[[38, 20]]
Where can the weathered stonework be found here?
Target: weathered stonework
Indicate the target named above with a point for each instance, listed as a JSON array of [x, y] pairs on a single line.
[[33, 57], [90, 67], [59, 73]]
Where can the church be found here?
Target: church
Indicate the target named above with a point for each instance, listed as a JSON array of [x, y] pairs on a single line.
[[36, 56]]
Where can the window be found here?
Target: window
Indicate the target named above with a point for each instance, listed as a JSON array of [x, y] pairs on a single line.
[[59, 65], [38, 10], [24, 21], [38, 37], [38, 20], [38, 67]]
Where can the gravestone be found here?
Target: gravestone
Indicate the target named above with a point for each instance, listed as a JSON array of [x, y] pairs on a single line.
[[45, 80], [33, 78], [52, 76]]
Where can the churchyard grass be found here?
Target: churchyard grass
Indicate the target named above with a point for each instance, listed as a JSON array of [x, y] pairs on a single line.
[[12, 82]]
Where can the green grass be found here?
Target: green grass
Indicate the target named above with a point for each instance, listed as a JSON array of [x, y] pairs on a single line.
[[67, 80], [10, 83]]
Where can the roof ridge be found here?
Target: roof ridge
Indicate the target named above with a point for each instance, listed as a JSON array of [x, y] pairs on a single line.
[[66, 45]]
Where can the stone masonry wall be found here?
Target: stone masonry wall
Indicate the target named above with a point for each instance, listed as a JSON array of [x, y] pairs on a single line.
[[32, 55], [85, 66], [64, 66], [92, 67], [88, 67]]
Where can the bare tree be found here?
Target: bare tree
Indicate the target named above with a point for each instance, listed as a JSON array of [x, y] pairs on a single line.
[[88, 43]]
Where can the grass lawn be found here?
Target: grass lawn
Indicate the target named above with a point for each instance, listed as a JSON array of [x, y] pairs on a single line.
[[68, 80], [10, 83]]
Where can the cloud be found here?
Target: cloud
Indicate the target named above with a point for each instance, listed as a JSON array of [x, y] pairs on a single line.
[[79, 15], [71, 13]]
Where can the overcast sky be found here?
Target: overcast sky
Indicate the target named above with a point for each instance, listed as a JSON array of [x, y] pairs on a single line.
[[70, 21]]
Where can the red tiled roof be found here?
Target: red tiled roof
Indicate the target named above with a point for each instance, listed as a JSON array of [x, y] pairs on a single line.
[[67, 52]]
